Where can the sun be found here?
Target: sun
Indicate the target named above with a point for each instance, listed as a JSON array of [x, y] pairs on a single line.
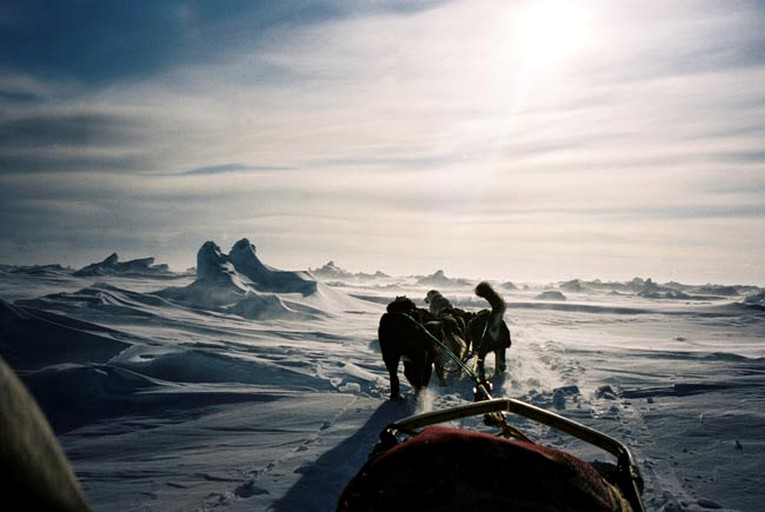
[[549, 31]]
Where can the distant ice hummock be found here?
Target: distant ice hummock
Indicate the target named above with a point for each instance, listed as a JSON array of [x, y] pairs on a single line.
[[242, 262], [212, 264], [111, 266], [265, 278], [240, 283]]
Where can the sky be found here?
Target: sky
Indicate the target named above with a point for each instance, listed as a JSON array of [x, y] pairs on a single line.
[[508, 140]]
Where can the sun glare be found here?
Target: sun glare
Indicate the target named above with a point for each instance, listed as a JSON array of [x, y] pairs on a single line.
[[549, 31]]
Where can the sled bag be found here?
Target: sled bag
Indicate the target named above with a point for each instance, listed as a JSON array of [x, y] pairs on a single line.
[[447, 469]]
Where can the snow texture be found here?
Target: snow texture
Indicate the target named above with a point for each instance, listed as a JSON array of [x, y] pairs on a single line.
[[245, 387]]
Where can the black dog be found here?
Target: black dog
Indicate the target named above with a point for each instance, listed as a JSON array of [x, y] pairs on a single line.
[[488, 332], [401, 336], [484, 331]]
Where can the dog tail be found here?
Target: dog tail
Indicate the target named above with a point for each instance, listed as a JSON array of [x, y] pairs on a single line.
[[496, 301]]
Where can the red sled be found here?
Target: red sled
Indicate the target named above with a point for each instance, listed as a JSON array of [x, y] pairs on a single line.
[[420, 466]]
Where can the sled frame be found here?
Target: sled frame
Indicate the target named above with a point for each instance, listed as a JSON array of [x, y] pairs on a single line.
[[630, 482]]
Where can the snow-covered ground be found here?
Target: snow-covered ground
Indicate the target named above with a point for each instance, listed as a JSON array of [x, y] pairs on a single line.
[[244, 387]]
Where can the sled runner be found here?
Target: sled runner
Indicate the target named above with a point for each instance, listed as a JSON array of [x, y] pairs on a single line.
[[419, 465]]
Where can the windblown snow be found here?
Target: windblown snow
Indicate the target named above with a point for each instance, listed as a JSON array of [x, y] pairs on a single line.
[[246, 387]]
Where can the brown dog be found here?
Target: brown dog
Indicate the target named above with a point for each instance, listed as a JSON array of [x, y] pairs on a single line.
[[452, 331]]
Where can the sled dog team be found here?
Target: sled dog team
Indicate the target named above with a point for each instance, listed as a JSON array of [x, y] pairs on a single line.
[[402, 336]]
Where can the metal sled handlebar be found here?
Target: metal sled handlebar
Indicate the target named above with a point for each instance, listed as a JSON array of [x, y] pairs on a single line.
[[583, 432], [625, 462]]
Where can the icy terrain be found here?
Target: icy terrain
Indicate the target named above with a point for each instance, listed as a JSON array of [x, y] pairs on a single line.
[[245, 387]]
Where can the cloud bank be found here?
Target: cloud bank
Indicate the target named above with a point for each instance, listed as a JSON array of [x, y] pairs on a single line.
[[400, 136]]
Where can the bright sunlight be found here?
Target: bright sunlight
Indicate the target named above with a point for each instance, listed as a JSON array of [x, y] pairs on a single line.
[[549, 31]]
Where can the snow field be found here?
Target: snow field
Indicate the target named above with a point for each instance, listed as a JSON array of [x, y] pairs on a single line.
[[163, 401]]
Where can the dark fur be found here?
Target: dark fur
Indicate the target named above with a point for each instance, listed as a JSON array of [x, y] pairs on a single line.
[[437, 303], [35, 471], [448, 329], [488, 332], [452, 331], [401, 338], [461, 331]]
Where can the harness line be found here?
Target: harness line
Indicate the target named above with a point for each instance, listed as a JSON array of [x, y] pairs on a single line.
[[481, 391]]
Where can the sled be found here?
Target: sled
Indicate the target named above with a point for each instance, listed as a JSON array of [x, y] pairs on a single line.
[[421, 465]]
